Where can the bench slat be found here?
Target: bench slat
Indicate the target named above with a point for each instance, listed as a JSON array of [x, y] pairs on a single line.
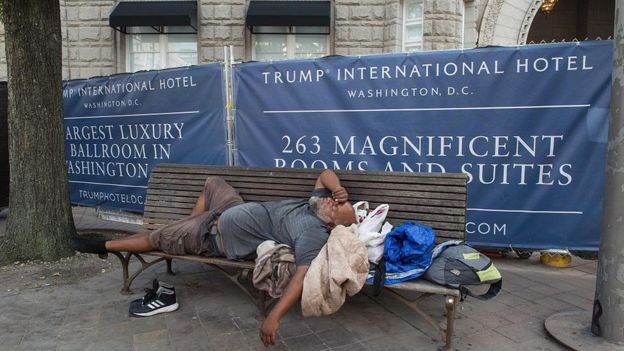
[[447, 178], [423, 201], [208, 260], [298, 184], [245, 190], [188, 203]]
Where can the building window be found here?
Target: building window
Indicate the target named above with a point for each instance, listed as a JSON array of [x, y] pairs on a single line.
[[412, 25], [281, 43], [151, 50]]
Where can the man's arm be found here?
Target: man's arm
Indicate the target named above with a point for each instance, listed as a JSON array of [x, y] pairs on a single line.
[[330, 181], [291, 295]]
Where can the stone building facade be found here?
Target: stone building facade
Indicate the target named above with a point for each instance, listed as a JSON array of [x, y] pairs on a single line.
[[91, 47]]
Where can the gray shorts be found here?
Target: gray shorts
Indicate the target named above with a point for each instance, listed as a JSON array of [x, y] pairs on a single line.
[[191, 235]]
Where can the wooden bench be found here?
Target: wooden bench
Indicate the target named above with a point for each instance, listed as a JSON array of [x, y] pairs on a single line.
[[434, 199]]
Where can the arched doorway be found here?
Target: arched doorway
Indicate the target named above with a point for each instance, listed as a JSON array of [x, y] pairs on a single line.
[[574, 19]]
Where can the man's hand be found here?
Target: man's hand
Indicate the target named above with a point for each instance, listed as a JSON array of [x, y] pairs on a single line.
[[268, 331], [292, 294], [340, 195]]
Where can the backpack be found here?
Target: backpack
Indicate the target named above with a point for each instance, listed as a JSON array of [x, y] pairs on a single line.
[[459, 265]]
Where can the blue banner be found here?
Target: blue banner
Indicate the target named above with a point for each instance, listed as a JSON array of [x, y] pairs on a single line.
[[528, 125], [117, 128]]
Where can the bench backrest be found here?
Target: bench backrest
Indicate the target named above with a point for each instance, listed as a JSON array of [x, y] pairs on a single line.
[[434, 199]]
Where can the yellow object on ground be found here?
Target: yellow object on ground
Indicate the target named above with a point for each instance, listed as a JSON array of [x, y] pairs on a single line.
[[556, 259]]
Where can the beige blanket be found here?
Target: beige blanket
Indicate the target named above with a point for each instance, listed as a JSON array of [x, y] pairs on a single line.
[[340, 268]]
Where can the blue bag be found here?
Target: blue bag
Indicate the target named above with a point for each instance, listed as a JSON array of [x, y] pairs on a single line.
[[407, 252]]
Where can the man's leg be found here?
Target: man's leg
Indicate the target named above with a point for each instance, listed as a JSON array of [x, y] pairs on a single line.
[[135, 243], [216, 196]]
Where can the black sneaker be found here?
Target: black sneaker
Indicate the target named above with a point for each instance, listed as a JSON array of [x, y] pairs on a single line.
[[156, 301]]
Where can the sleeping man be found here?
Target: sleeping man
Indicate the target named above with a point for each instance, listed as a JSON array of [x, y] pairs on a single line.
[[221, 224]]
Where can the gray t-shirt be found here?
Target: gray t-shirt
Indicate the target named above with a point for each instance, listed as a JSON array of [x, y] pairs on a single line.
[[289, 222]]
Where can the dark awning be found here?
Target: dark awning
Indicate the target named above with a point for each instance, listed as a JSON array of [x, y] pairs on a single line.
[[155, 14], [288, 13]]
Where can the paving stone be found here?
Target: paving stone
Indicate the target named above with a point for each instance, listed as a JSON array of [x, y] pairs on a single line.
[[518, 332], [545, 289], [70, 340], [365, 330], [223, 326], [10, 341], [404, 341], [117, 343], [180, 325], [244, 310], [191, 334], [191, 343], [46, 339], [534, 310], [214, 313], [230, 342], [319, 324], [541, 344], [555, 304], [336, 337], [516, 316], [466, 326], [151, 341], [293, 329], [309, 342], [528, 295], [485, 340], [114, 312], [575, 300], [351, 347], [489, 320], [15, 313], [15, 327], [79, 317]]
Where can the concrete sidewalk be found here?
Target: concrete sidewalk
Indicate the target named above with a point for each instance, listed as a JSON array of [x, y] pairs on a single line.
[[214, 314]]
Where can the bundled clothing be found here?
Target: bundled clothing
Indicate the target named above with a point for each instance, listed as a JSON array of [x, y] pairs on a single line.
[[340, 269], [274, 268]]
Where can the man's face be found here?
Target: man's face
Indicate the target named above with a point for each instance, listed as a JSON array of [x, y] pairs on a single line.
[[343, 214]]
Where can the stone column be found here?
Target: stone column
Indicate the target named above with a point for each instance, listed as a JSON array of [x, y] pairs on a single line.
[[443, 24], [88, 40], [359, 27], [221, 23], [393, 28], [608, 315]]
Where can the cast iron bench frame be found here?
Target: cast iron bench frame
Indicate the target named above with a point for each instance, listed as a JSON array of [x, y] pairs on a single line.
[[434, 199]]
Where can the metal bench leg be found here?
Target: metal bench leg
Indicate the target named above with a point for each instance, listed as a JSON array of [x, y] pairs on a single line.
[[413, 304], [169, 270], [451, 303], [125, 263]]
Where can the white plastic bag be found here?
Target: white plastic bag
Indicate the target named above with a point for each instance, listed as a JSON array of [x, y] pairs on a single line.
[[374, 220], [375, 245], [372, 230]]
